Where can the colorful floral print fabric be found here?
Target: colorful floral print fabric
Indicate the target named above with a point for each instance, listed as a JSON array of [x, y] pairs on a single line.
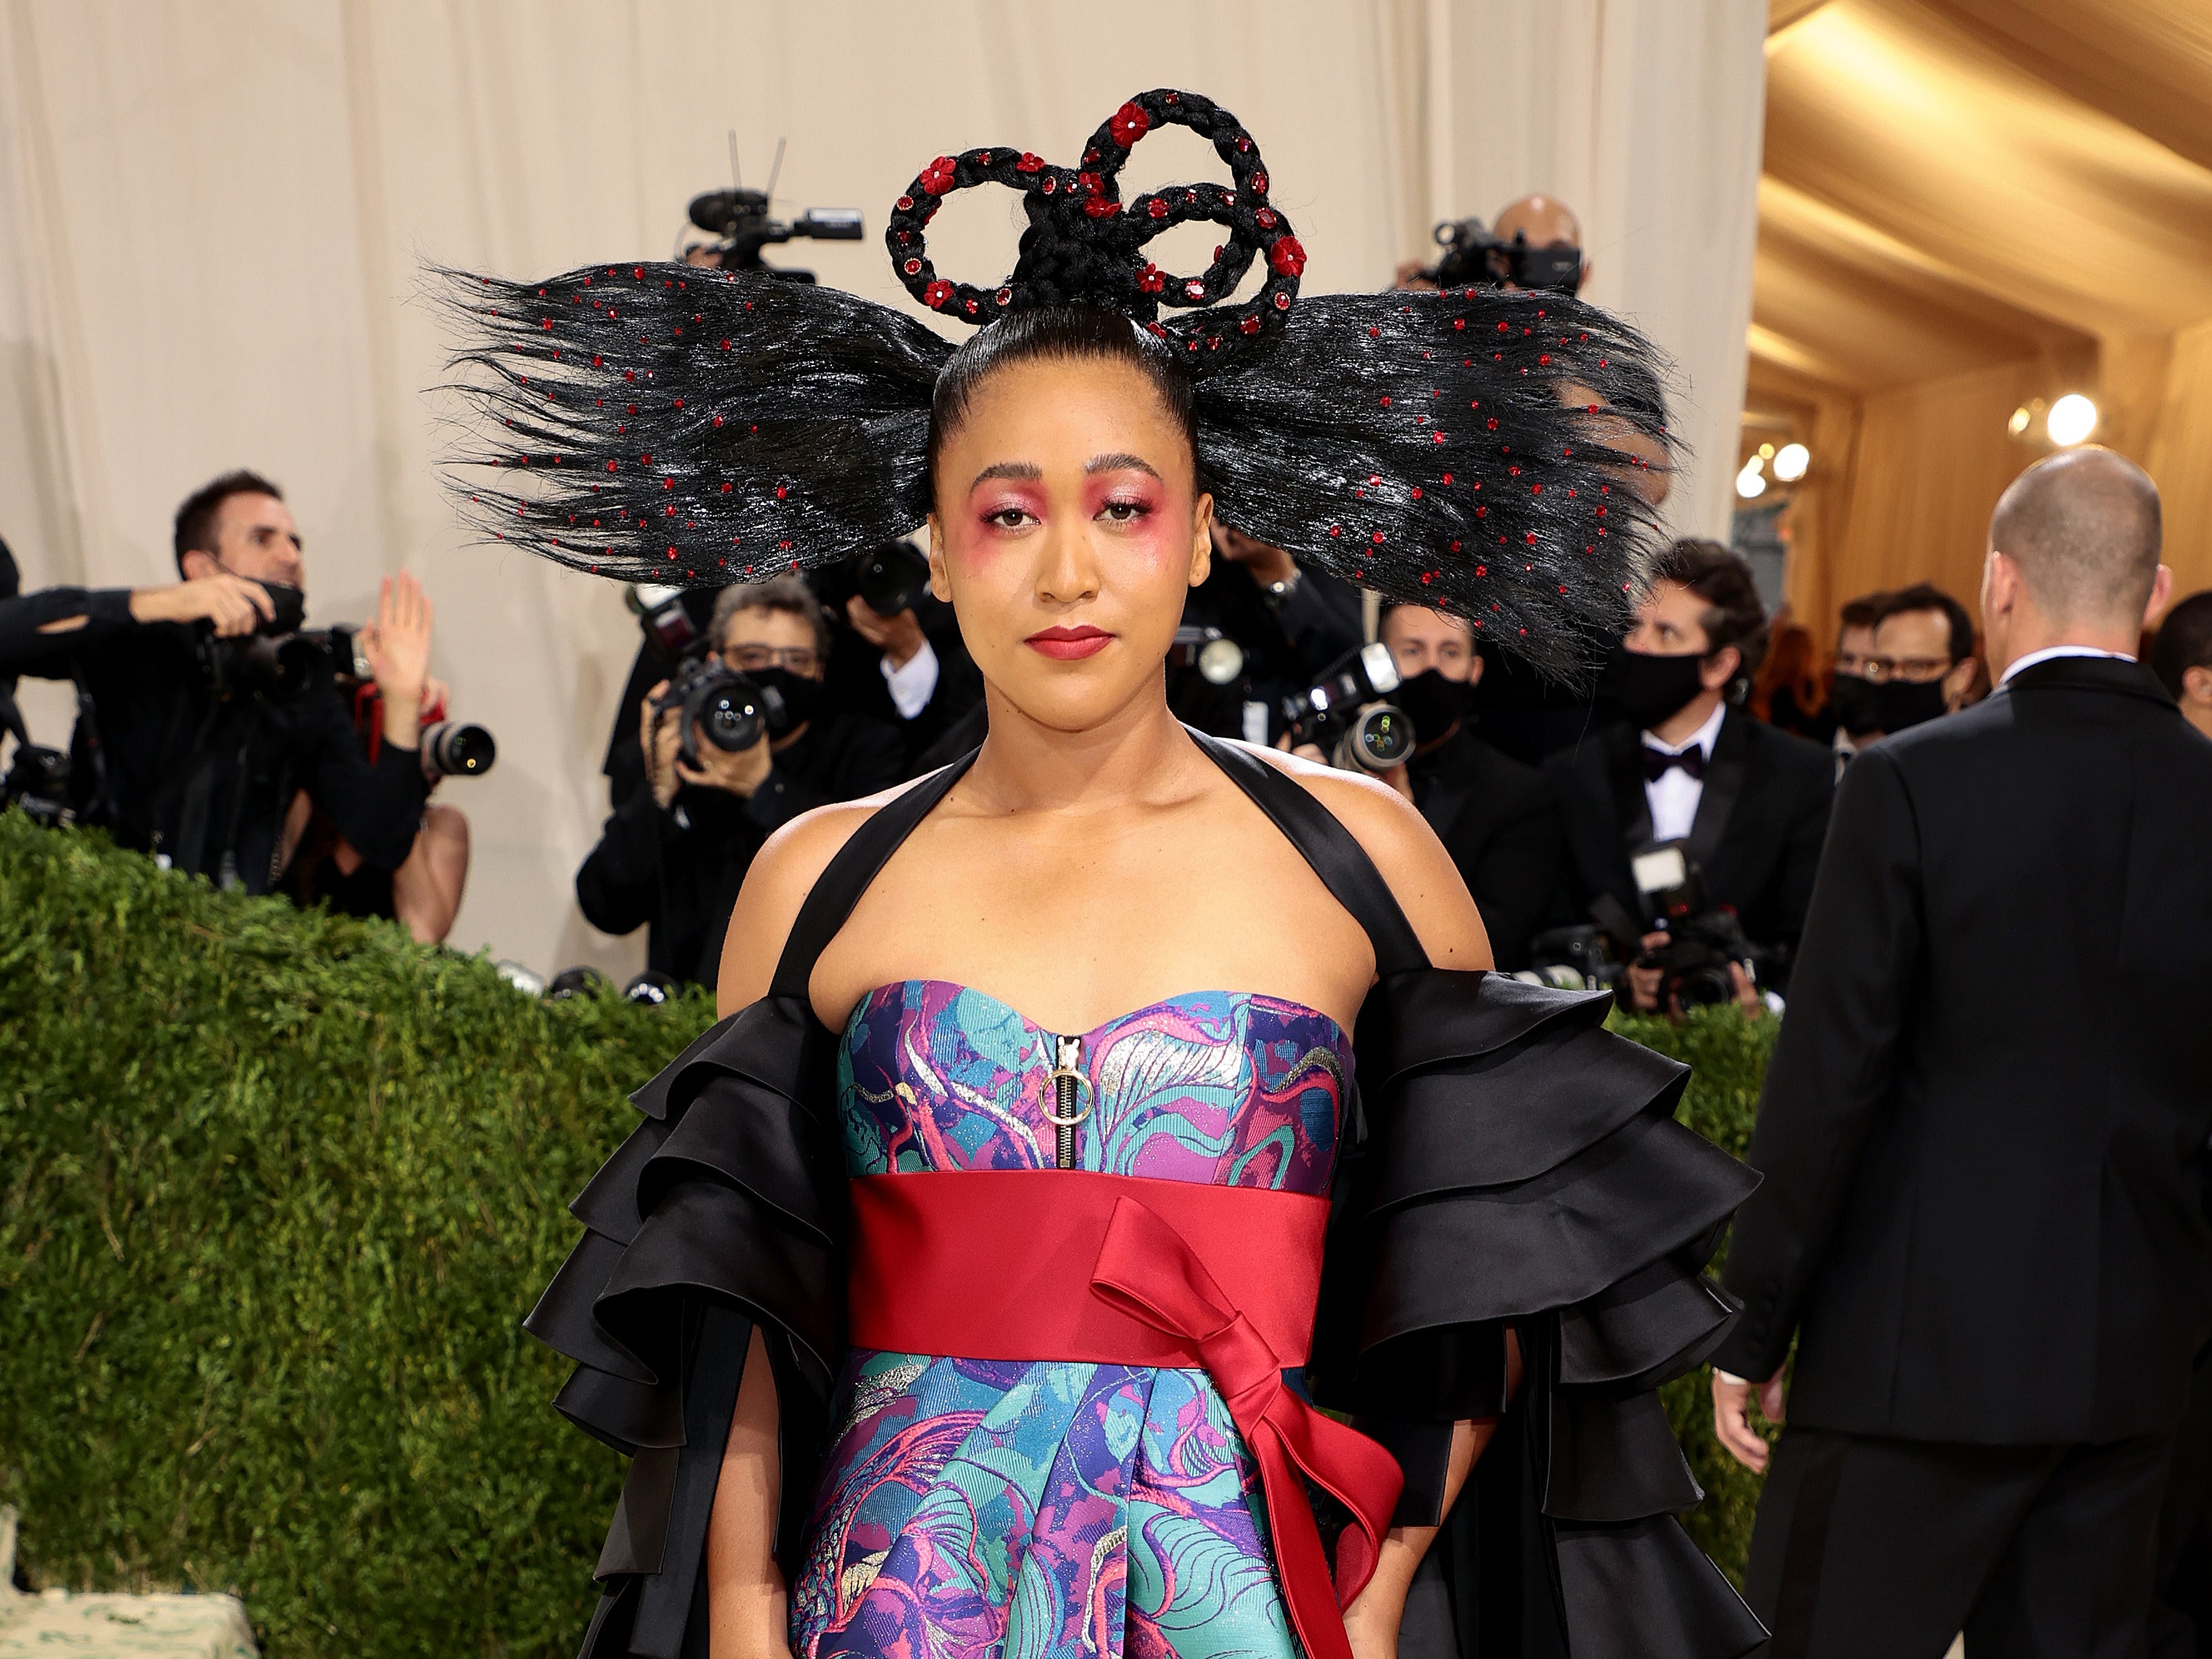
[[990, 1507]]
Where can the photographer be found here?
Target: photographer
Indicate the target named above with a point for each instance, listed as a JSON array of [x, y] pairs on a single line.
[[1287, 625], [895, 656], [1919, 663], [681, 838], [1747, 805], [1499, 819], [205, 717]]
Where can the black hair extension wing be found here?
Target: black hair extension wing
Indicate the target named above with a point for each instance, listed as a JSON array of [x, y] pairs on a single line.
[[1463, 450], [662, 424]]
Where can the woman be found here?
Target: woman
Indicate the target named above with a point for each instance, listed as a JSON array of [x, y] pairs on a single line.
[[963, 1290]]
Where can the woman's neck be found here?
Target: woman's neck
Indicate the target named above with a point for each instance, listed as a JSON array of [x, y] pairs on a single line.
[[1141, 752]]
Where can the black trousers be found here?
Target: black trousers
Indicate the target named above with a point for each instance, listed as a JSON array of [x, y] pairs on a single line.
[[1867, 1547]]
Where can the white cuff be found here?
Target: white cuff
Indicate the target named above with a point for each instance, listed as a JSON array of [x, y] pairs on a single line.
[[914, 683], [1731, 1378]]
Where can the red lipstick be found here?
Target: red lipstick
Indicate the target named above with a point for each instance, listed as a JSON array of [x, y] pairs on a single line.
[[1070, 644]]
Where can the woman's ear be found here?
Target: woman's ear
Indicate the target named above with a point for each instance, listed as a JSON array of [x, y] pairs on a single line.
[[1202, 542], [940, 581]]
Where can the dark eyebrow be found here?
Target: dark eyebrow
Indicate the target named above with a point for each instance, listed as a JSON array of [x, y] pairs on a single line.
[[1028, 472], [1119, 462]]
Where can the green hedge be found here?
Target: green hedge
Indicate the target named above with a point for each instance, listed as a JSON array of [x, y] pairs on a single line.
[[275, 1190]]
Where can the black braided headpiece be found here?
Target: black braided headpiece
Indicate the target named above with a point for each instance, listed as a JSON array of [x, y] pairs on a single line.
[[1084, 246], [1466, 449]]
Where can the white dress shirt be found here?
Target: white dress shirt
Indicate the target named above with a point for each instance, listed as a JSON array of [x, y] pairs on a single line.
[[2051, 651], [914, 683], [1674, 799]]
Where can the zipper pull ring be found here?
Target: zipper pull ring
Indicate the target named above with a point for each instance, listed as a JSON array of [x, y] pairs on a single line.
[[1072, 1097]]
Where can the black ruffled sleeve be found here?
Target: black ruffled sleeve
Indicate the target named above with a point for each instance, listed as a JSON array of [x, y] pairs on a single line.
[[724, 1210], [1518, 1167]]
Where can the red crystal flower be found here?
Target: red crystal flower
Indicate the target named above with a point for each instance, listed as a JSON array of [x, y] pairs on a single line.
[[1089, 183], [937, 294], [1129, 124], [937, 177], [1285, 258], [1151, 279], [1099, 207], [1029, 163]]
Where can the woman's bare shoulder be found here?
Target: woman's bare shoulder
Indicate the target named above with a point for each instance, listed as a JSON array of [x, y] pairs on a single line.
[[1392, 832], [782, 873]]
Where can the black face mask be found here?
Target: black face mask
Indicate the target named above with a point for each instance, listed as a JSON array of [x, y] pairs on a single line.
[[801, 694], [1899, 703], [1852, 700], [1648, 688], [1432, 703], [289, 603]]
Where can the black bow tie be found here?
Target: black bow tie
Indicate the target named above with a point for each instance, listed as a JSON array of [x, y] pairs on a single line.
[[1657, 762]]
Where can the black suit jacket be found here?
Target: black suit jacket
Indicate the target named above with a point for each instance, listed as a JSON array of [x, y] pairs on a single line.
[[1757, 835], [1499, 820], [1983, 1131]]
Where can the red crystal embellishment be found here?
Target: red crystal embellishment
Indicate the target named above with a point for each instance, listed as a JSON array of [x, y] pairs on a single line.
[[1129, 124], [937, 177], [937, 294], [1285, 258]]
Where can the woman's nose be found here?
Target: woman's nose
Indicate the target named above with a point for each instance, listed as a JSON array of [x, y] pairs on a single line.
[[1069, 570]]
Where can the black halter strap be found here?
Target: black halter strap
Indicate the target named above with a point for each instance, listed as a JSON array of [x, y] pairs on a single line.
[[846, 876], [1333, 851]]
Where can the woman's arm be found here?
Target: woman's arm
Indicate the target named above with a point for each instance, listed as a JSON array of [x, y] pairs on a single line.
[[1372, 1621], [747, 1601], [1429, 888]]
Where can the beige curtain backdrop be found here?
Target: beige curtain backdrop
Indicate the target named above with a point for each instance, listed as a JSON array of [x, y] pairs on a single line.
[[213, 214]]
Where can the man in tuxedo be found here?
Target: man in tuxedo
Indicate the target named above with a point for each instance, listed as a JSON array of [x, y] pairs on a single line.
[[1983, 1137], [1499, 819], [1691, 765]]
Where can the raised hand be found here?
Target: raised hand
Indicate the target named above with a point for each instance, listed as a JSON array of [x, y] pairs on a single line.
[[396, 646]]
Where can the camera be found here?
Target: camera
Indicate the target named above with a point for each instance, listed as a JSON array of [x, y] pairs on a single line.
[[1474, 258], [1582, 957], [450, 749], [1218, 658], [1702, 939], [275, 660], [38, 780], [891, 578], [740, 218], [1345, 714], [731, 710]]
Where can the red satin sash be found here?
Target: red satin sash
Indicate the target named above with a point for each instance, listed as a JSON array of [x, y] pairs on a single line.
[[1072, 1265]]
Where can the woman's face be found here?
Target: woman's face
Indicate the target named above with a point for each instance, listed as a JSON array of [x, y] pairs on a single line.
[[1068, 529]]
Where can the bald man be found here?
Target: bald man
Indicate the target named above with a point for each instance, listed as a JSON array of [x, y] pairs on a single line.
[[1983, 1137]]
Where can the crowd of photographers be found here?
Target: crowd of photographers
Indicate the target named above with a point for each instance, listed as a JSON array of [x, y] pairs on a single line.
[[1659, 838]]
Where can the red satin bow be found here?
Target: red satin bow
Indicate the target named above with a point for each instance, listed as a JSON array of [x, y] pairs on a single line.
[[1146, 1269]]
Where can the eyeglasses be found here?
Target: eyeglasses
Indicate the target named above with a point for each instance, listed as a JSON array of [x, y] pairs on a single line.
[[1913, 671], [800, 659]]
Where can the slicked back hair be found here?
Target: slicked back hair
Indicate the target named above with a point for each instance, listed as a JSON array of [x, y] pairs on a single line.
[[2084, 529], [195, 528]]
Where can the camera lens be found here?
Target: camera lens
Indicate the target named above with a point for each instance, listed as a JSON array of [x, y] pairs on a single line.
[[1220, 661], [454, 749], [1703, 986], [1382, 736], [730, 716]]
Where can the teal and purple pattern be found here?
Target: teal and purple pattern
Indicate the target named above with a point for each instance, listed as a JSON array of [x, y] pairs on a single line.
[[990, 1507]]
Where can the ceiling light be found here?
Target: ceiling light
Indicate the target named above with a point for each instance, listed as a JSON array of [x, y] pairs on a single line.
[[1790, 462], [1748, 483], [2072, 418], [1766, 452], [2018, 422]]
